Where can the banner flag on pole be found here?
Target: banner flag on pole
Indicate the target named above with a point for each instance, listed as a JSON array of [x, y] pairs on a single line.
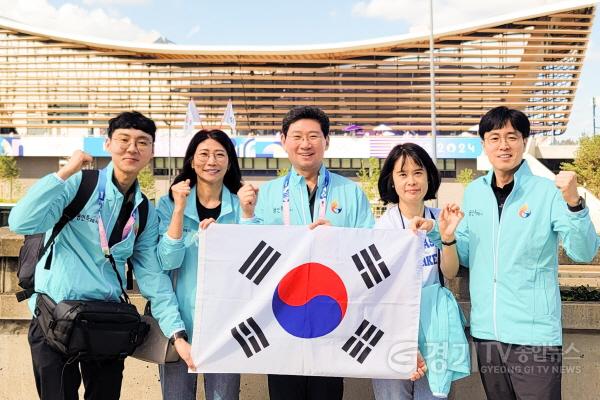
[[228, 116], [192, 117], [294, 301]]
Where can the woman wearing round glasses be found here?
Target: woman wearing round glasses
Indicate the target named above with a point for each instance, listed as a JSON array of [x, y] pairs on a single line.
[[202, 193]]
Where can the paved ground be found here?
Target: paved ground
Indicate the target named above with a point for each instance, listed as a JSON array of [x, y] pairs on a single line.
[[141, 379], [140, 382]]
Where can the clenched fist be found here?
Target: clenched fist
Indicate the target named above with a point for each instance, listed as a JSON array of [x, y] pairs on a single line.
[[449, 218], [566, 182], [247, 195], [421, 224], [180, 191], [78, 159]]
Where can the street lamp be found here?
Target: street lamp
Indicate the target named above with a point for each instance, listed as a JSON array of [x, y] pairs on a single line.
[[432, 90], [432, 85]]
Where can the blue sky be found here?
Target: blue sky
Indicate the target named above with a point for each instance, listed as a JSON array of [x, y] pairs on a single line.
[[270, 22]]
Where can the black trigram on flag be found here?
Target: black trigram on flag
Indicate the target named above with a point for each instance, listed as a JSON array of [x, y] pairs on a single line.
[[363, 341], [250, 337], [260, 262], [371, 266]]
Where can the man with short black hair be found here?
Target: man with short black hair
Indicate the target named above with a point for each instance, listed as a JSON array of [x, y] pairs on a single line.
[[508, 239], [87, 259], [308, 195]]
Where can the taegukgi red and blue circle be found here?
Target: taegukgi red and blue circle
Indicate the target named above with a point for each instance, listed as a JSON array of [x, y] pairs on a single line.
[[310, 301]]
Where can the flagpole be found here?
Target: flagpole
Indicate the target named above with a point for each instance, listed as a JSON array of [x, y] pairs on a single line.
[[169, 155], [432, 90]]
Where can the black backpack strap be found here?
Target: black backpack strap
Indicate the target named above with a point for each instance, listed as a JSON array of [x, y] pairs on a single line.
[[89, 180], [143, 215], [143, 219]]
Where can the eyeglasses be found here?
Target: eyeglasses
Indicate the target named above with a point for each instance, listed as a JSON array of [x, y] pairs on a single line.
[[204, 156], [497, 140], [140, 144], [311, 138]]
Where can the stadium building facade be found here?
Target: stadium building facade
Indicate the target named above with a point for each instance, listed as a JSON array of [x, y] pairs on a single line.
[[58, 91]]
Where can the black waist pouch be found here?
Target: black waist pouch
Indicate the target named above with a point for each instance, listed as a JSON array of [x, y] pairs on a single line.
[[90, 330]]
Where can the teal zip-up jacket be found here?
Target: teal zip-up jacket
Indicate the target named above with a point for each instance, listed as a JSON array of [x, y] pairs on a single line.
[[181, 255], [513, 261], [347, 205], [79, 269], [442, 340]]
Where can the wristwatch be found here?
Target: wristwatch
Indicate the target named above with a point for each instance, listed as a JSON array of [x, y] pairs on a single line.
[[579, 206], [178, 335], [449, 243]]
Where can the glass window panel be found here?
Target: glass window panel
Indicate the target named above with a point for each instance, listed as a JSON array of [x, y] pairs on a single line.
[[248, 163], [451, 164], [260, 163]]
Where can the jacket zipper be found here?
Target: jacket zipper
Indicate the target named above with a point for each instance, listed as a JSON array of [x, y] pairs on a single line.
[[495, 252]]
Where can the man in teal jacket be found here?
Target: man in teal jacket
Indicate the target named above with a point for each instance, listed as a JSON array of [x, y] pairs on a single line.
[[308, 195], [79, 269], [509, 240]]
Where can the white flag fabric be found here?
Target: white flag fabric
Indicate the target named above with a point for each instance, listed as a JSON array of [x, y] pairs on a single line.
[[192, 117], [289, 300], [228, 116]]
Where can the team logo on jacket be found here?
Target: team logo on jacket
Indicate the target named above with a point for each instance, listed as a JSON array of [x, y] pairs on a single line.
[[524, 211], [310, 301], [335, 207]]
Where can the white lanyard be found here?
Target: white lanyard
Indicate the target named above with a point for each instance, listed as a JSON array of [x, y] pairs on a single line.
[[286, 197]]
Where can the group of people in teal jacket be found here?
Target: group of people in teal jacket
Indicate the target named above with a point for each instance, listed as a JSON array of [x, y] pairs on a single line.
[[506, 233]]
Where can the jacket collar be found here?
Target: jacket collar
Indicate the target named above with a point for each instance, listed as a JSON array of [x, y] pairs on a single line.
[[226, 203], [114, 190], [297, 179], [521, 172]]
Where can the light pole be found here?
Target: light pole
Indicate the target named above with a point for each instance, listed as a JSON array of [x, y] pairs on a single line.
[[432, 85], [432, 90], [168, 123]]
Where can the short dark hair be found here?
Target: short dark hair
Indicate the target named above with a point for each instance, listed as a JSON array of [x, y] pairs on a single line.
[[132, 120], [305, 112], [421, 158], [497, 118], [233, 176]]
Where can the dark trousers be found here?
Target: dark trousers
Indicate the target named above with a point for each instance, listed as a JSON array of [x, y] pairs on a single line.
[[516, 372], [294, 387], [55, 379]]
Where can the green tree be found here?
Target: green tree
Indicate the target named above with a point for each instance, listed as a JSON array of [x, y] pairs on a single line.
[[9, 172], [587, 164], [368, 175], [147, 182], [465, 176]]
